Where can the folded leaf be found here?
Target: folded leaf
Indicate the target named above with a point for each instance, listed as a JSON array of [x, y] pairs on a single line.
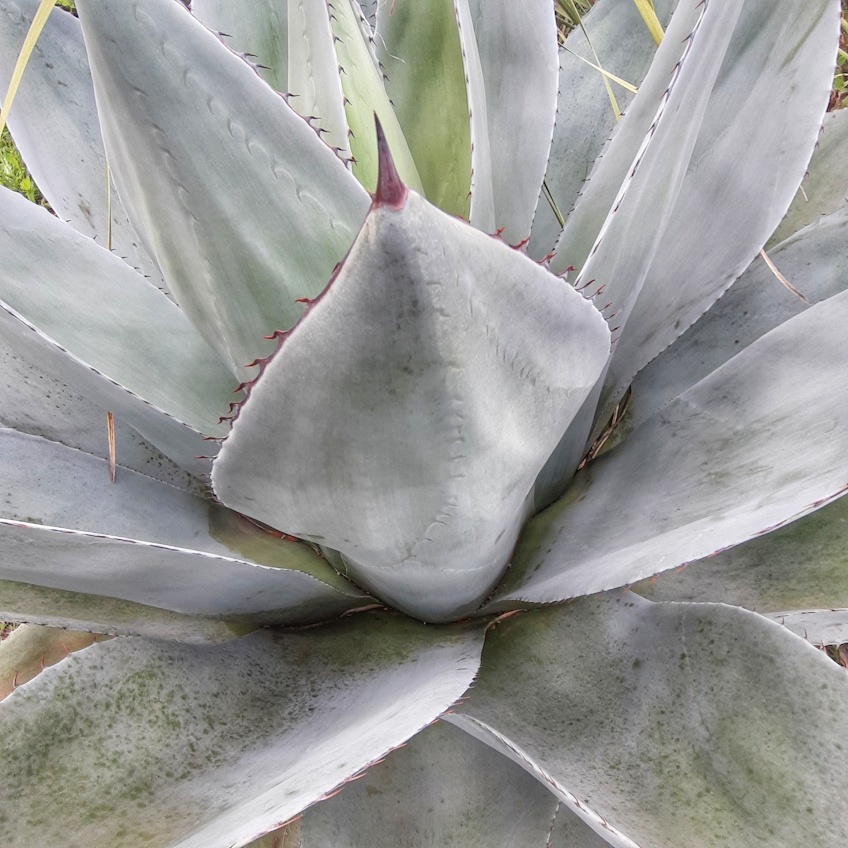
[[813, 260], [63, 525], [585, 117], [144, 744], [756, 139], [519, 127], [456, 364], [730, 459]]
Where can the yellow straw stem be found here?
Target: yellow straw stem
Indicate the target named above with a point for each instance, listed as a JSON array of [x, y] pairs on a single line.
[[37, 25], [649, 16]]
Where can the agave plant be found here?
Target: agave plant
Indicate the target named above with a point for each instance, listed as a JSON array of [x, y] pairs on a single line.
[[419, 439]]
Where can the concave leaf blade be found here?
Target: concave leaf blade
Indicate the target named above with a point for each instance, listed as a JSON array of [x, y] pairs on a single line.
[[517, 45], [814, 262], [757, 136], [825, 185], [244, 735], [453, 392], [444, 787], [92, 326], [65, 526], [243, 206], [677, 723], [54, 125], [585, 118], [727, 460], [802, 566], [34, 402]]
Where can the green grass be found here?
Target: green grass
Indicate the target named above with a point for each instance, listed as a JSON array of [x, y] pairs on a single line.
[[13, 173]]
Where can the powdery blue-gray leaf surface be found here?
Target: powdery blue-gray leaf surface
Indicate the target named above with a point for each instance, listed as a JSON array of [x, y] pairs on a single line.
[[258, 29], [814, 261], [79, 307], [585, 118], [54, 125], [753, 147], [445, 788], [517, 46], [614, 172], [452, 392], [825, 186], [142, 744], [614, 230], [801, 566], [63, 525], [820, 627], [678, 724], [38, 404], [242, 205], [729, 459]]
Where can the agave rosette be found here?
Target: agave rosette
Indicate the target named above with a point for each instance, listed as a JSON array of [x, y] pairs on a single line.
[[405, 441]]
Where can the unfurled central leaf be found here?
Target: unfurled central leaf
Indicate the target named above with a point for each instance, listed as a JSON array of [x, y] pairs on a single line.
[[404, 420]]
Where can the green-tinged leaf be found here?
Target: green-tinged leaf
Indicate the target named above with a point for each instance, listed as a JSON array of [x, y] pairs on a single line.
[[112, 616], [29, 649], [677, 724], [814, 261], [365, 96], [517, 45], [143, 744], [419, 47], [729, 459], [585, 118], [90, 314], [801, 566], [243, 206], [62, 523], [825, 187], [54, 124], [444, 788], [314, 79], [258, 29], [453, 393], [756, 139]]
